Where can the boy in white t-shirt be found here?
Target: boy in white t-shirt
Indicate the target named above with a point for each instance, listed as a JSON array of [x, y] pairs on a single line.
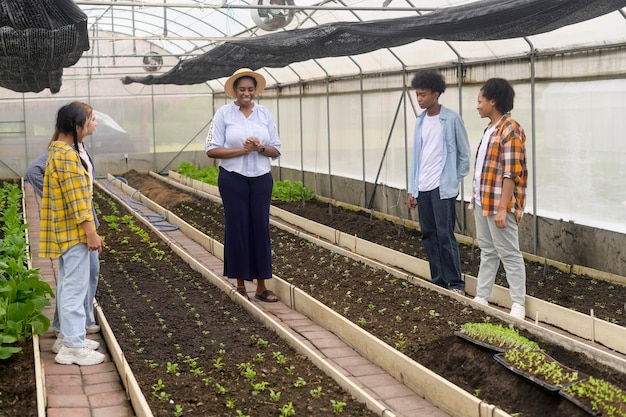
[[441, 158]]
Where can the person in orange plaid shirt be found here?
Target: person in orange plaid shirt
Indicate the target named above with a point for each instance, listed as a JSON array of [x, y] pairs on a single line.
[[499, 194]]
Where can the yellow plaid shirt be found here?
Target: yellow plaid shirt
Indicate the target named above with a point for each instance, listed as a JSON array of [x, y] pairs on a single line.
[[66, 201]]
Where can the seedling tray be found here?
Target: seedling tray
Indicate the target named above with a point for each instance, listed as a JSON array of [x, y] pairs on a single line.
[[584, 406], [480, 343], [537, 379], [603, 391]]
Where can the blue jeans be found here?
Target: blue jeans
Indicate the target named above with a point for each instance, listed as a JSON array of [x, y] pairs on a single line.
[[94, 273], [72, 288], [437, 218], [499, 245]]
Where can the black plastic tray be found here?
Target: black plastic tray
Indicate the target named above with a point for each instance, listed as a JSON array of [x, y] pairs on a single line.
[[580, 404], [550, 387], [480, 343]]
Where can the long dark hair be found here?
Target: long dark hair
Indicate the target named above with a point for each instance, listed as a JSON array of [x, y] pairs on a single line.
[[68, 118], [89, 110]]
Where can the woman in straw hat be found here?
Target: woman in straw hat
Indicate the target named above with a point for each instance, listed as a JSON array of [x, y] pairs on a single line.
[[243, 136]]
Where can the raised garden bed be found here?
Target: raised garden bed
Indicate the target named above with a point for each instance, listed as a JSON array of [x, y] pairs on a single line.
[[418, 322], [193, 351], [23, 295], [18, 390]]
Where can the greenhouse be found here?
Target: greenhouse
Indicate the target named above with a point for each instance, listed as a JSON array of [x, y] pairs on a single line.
[[338, 78], [155, 72]]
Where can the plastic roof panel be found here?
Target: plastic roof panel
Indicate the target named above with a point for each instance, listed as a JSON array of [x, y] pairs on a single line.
[[604, 30], [327, 37], [188, 29]]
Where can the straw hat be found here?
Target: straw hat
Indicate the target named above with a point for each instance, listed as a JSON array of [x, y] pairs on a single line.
[[229, 86]]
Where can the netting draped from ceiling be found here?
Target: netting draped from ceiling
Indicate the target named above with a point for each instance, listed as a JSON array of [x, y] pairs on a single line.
[[487, 20], [38, 38]]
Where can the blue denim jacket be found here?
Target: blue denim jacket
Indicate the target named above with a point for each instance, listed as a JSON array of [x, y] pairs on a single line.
[[456, 154]]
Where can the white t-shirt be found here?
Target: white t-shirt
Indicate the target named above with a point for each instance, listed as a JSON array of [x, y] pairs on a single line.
[[431, 154], [480, 161]]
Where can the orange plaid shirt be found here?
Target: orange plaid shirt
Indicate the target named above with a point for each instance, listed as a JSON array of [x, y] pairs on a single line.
[[505, 158]]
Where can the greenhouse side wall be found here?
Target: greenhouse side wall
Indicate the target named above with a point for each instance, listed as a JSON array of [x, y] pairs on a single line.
[[563, 241]]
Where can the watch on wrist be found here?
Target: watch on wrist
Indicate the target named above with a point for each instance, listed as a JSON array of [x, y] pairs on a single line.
[[262, 150]]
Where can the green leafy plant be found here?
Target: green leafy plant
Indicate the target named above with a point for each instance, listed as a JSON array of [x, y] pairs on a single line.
[[7, 351], [286, 190], [207, 175], [230, 403], [300, 382], [603, 397], [337, 406], [498, 335], [539, 365], [275, 395], [23, 291], [287, 410], [316, 393], [172, 368]]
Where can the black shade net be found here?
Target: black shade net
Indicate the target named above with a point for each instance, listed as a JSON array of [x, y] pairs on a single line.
[[479, 21], [38, 39]]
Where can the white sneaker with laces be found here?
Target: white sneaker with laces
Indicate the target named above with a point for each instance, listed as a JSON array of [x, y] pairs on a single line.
[[481, 300], [94, 328], [518, 311], [90, 344], [78, 356]]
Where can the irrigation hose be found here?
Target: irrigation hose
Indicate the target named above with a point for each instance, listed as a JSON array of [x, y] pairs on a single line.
[[157, 220]]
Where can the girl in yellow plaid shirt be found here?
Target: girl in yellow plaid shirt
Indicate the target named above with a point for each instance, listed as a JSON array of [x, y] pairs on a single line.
[[68, 232]]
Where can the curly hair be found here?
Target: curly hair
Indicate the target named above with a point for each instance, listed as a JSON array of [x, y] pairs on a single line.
[[501, 92], [429, 79]]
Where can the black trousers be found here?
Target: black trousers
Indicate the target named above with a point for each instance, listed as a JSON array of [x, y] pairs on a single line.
[[247, 246]]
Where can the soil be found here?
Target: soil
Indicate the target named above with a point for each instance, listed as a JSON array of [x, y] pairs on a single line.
[[189, 345], [170, 317], [416, 321], [18, 391]]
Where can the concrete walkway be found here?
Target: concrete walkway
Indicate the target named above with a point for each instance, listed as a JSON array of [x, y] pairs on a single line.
[[74, 391]]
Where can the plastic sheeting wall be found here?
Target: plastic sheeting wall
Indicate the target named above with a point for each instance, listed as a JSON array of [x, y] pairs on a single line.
[[579, 151], [342, 127]]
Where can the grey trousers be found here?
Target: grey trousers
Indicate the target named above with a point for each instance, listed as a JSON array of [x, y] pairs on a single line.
[[499, 245]]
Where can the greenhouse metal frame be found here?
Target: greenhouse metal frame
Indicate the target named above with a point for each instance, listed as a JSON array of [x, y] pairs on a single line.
[[345, 121]]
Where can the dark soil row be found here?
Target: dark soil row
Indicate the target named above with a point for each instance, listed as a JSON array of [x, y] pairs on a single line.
[[416, 321], [189, 345]]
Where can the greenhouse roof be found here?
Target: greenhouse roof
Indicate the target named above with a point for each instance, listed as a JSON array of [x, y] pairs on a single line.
[[196, 41]]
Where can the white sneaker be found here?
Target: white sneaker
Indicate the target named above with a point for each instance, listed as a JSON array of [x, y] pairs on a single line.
[[481, 300], [90, 344], [94, 328], [79, 356], [518, 311]]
